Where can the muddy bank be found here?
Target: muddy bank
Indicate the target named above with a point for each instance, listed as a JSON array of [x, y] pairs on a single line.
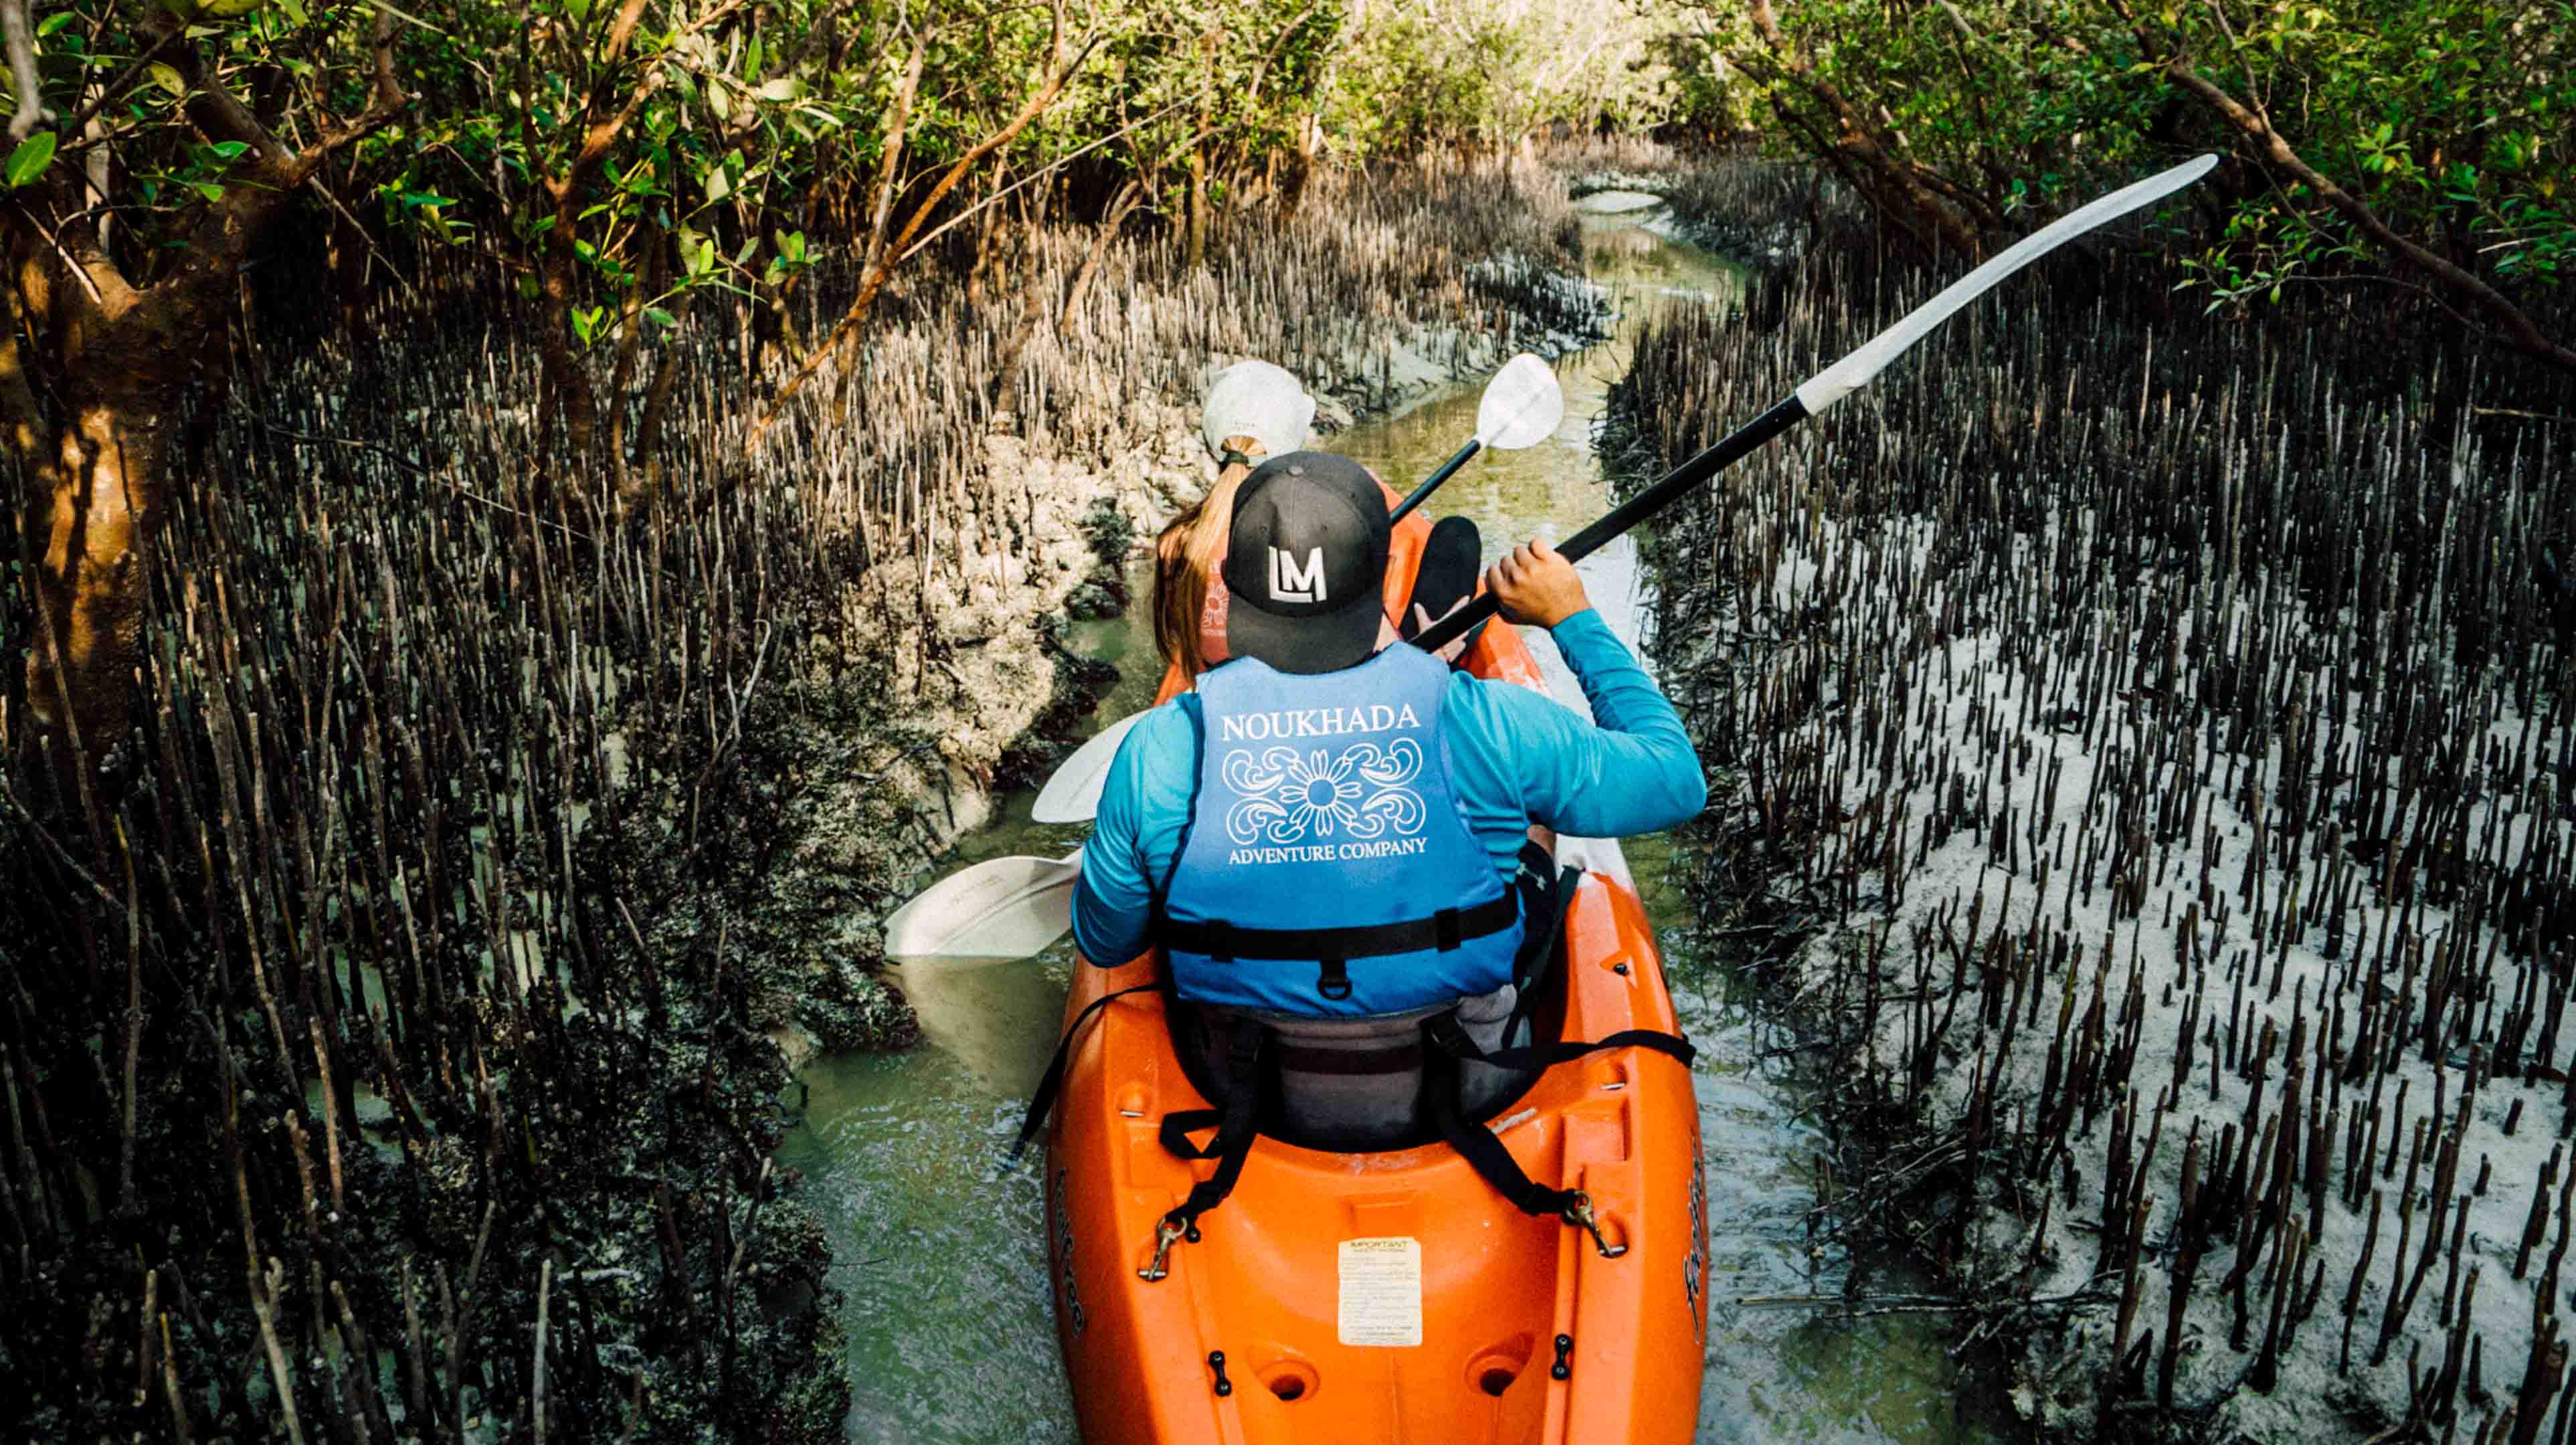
[[2148, 736]]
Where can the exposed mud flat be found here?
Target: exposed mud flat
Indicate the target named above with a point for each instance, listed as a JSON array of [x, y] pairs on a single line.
[[2151, 746]]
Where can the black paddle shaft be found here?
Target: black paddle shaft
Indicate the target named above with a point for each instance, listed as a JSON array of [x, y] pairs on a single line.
[[1740, 443], [1432, 483]]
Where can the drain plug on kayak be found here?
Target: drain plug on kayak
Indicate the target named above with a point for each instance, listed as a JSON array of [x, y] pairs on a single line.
[[1494, 1370], [1289, 1379]]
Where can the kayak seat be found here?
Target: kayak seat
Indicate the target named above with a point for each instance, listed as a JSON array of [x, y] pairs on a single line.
[[1350, 1085], [1451, 558]]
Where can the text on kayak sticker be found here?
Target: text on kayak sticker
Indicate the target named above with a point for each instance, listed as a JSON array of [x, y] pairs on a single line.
[[1381, 1292]]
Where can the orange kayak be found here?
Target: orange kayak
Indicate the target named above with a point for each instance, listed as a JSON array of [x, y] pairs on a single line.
[[1313, 1277]]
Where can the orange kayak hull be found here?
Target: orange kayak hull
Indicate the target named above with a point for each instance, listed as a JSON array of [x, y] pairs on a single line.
[[1265, 1284]]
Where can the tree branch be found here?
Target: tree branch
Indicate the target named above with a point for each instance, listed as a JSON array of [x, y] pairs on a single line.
[[389, 91], [2518, 329], [1047, 170], [1860, 139], [271, 172], [628, 15], [217, 113], [99, 100], [601, 135], [1061, 70], [890, 162], [22, 69]]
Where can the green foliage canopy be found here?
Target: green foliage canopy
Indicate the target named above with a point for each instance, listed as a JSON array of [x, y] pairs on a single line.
[[2447, 120]]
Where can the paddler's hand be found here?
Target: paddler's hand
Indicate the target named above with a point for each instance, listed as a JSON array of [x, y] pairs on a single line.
[[1422, 620], [1536, 586]]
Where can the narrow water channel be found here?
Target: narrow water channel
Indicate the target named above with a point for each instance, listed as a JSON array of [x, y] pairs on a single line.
[[939, 1249]]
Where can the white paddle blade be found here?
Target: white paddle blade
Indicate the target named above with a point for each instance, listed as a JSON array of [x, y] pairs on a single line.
[[1072, 792], [1258, 400], [1000, 908], [1858, 369], [1522, 405]]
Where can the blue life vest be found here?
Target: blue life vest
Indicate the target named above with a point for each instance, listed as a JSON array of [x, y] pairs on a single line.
[[1327, 870]]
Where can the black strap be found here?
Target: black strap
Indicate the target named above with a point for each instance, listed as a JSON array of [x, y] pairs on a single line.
[[1234, 1126], [1180, 1124], [1483, 1150], [1443, 1033], [1042, 1103], [1190, 708], [1478, 1145], [1443, 930], [1549, 893]]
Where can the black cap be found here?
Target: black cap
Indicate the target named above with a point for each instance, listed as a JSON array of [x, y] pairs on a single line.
[[1306, 564]]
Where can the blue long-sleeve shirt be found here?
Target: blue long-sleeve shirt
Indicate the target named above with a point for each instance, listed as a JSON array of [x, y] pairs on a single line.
[[1516, 758]]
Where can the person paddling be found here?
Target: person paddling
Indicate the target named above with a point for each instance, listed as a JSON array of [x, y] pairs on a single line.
[[1256, 410], [1273, 801], [1328, 844]]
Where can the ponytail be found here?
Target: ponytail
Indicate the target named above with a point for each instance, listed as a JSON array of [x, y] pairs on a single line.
[[1190, 548]]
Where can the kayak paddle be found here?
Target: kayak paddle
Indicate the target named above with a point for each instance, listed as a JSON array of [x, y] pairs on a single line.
[[1839, 380], [999, 908], [1520, 408], [1072, 792]]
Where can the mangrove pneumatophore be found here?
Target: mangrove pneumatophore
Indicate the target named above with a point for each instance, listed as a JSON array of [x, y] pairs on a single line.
[[2156, 734]]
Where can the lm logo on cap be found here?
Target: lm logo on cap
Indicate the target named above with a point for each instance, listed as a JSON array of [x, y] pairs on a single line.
[[1291, 583]]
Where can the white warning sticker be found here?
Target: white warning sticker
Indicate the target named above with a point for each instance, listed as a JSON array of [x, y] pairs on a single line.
[[1381, 1295]]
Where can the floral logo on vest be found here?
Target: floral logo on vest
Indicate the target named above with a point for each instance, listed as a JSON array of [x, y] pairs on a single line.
[[1284, 796]]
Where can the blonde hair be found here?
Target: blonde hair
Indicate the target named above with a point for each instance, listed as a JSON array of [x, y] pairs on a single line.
[[1190, 549]]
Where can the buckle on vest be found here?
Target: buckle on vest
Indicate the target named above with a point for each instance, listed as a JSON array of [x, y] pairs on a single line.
[[1335, 980], [1444, 928], [1220, 941]]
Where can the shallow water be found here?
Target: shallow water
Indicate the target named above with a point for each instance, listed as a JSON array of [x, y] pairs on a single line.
[[939, 1249]]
